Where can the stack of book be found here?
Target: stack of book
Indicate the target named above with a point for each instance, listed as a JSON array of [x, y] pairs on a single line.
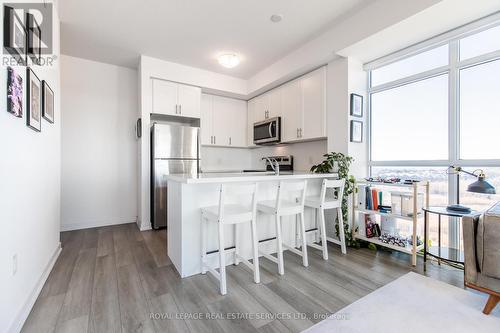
[[372, 200]]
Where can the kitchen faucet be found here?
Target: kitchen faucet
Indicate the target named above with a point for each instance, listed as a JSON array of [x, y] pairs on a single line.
[[275, 167]]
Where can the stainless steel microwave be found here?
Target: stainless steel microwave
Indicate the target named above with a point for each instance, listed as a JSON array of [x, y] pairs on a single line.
[[267, 131]]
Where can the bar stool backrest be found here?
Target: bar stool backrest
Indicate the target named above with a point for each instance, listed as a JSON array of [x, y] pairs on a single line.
[[333, 190], [248, 191], [286, 187]]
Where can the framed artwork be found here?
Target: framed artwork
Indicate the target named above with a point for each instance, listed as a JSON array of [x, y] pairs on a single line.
[[14, 35], [34, 32], [34, 101], [356, 131], [47, 102], [356, 105], [14, 93]]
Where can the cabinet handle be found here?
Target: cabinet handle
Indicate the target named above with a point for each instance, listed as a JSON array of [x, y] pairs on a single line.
[[214, 139], [180, 109], [297, 132], [301, 132], [211, 139], [229, 140]]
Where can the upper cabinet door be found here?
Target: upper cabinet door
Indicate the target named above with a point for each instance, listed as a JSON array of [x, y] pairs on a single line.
[[164, 97], [222, 120], [189, 98], [292, 117], [206, 119], [274, 103], [261, 111], [313, 86], [251, 119], [238, 133]]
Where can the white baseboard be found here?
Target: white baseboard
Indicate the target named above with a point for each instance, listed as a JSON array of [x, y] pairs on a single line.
[[95, 224], [21, 317]]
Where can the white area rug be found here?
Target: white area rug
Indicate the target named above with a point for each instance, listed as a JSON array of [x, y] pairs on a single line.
[[414, 303]]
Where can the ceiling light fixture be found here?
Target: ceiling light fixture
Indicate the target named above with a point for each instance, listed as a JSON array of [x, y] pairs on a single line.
[[276, 18], [229, 60]]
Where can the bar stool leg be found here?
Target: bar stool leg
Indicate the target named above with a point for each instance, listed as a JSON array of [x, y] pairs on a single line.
[[305, 260], [341, 230], [279, 240], [255, 243], [317, 234], [222, 260], [236, 245], [323, 233], [203, 245]]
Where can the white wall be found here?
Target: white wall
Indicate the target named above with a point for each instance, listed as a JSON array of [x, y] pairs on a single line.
[[29, 198], [346, 76], [99, 151]]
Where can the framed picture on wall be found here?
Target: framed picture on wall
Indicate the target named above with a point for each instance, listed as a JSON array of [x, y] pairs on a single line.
[[47, 102], [356, 105], [14, 39], [356, 131], [34, 32], [34, 101], [14, 93]]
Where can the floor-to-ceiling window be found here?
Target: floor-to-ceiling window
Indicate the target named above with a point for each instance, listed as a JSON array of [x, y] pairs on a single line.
[[436, 107]]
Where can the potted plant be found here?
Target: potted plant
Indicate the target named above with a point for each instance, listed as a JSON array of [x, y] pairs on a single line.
[[340, 163]]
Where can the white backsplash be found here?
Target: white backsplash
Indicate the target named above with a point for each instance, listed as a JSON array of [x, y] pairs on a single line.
[[305, 154]]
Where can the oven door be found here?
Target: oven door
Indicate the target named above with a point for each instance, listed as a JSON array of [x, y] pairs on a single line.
[[268, 131]]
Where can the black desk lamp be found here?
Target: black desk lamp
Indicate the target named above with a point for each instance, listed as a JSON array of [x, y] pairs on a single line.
[[479, 186]]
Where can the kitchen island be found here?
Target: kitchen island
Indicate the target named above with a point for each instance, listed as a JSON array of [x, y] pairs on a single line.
[[188, 193]]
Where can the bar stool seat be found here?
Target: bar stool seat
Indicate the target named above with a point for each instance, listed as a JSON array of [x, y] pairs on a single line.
[[232, 212], [286, 207], [315, 202]]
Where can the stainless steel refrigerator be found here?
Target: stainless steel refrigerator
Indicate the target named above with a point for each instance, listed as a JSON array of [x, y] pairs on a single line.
[[175, 149]]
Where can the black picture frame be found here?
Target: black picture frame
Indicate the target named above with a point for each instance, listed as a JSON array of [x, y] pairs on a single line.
[[14, 35], [33, 101], [356, 105], [356, 131], [34, 39], [47, 102]]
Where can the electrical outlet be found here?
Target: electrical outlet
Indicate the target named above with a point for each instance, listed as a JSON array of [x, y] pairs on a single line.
[[14, 264]]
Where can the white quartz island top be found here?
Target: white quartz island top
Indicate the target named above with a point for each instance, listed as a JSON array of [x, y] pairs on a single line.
[[228, 177]]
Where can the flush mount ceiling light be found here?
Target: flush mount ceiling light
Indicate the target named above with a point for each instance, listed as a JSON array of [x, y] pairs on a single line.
[[229, 60], [276, 18]]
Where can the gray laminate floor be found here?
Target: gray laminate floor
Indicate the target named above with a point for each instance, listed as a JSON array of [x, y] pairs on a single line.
[[118, 279]]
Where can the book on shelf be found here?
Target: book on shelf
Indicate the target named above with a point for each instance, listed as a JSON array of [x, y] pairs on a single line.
[[372, 229]]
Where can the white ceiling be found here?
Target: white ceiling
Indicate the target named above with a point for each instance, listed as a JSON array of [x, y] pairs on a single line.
[[193, 32]]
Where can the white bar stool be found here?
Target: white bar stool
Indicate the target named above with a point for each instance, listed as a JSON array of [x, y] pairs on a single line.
[[230, 214], [333, 200], [282, 207]]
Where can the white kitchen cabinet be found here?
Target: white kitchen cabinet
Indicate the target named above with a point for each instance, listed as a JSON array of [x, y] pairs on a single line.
[[164, 97], [206, 119], [189, 98], [223, 121], [304, 107], [251, 119], [292, 118], [274, 103], [313, 87], [176, 99]]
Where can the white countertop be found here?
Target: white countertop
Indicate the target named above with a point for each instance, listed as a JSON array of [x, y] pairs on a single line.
[[205, 178]]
